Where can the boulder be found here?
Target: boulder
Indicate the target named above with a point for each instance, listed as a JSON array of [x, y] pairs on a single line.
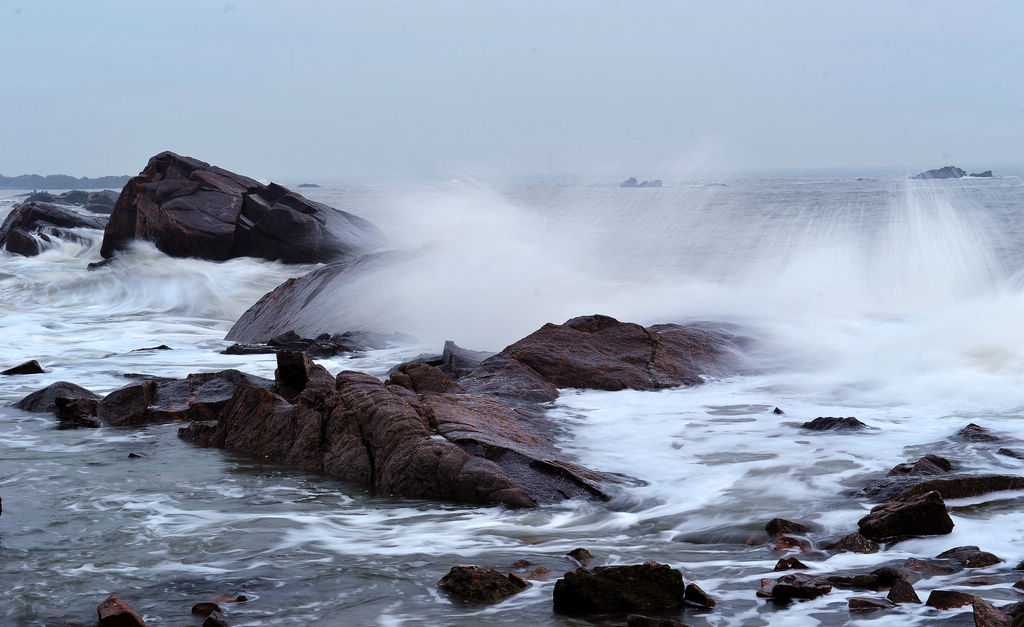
[[454, 447], [29, 367], [927, 465], [781, 526], [920, 515], [599, 352], [113, 612], [797, 586], [482, 585], [647, 586], [949, 599], [581, 556], [951, 487], [854, 543], [976, 433], [987, 615], [696, 596], [969, 557], [189, 208], [902, 592], [42, 220], [948, 172], [832, 423]]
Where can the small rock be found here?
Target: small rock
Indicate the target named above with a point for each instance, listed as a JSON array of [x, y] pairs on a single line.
[[162, 347], [927, 465], [920, 515], [860, 604], [229, 598], [647, 586], [778, 411], [113, 612], [789, 543], [205, 609], [215, 619], [800, 586], [581, 555], [986, 615], [767, 585], [903, 592], [927, 568], [484, 585], [637, 620], [781, 526], [970, 557], [831, 423], [29, 367], [698, 597], [521, 564], [878, 579], [133, 455], [1016, 453], [974, 433], [1019, 585], [541, 574], [789, 563], [949, 599], [854, 543]]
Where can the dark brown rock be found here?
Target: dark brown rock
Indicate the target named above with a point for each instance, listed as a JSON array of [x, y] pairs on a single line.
[[922, 515], [481, 585], [43, 220], [854, 543], [419, 377], [860, 604], [902, 592], [45, 400], [969, 557], [767, 585], [832, 423], [789, 563], [789, 543], [29, 367], [799, 586], [113, 612], [949, 487], [189, 208], [460, 448], [927, 568], [987, 615], [599, 352], [927, 465], [229, 598], [948, 599], [215, 619], [647, 586], [780, 526], [695, 595], [878, 579], [639, 620], [1015, 453], [205, 609], [541, 574], [582, 556], [975, 433]]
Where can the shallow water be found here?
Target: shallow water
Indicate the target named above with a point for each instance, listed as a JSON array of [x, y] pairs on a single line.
[[897, 302]]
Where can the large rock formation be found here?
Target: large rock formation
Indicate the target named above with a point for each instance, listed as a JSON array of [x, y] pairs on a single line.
[[189, 208], [454, 447], [31, 226]]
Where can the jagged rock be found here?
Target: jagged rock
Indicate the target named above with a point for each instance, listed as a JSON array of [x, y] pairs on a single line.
[[73, 406], [29, 367], [854, 543], [582, 556], [831, 423], [482, 585], [975, 433], [419, 377], [647, 586], [950, 487], [860, 604], [44, 220], [695, 595], [927, 465], [453, 447], [789, 563], [921, 515], [189, 208], [799, 586], [969, 557], [1015, 453], [215, 619], [948, 172], [986, 615], [902, 592], [599, 352], [780, 526], [205, 609], [113, 612], [949, 599]]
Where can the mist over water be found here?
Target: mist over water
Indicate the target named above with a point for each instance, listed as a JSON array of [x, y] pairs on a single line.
[[895, 301]]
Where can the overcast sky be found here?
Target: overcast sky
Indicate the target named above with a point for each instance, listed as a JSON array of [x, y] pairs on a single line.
[[433, 89]]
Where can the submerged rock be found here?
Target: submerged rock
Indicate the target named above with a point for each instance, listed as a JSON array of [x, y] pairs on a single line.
[[970, 557], [975, 433], [921, 515], [832, 423], [795, 586], [647, 586], [781, 526], [29, 367], [483, 585], [860, 604], [189, 208], [113, 612], [854, 543], [949, 599], [879, 578]]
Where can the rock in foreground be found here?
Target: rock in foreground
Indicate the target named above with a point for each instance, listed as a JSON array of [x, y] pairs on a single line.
[[647, 586], [31, 226], [113, 612], [189, 208], [916, 516]]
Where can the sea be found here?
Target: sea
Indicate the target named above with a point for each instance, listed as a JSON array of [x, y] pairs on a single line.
[[899, 302]]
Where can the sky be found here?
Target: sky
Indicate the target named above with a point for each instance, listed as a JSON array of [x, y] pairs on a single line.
[[389, 90]]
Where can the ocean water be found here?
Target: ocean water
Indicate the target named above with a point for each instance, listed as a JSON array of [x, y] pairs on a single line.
[[898, 302]]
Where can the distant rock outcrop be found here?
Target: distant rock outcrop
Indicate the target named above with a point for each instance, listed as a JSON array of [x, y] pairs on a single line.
[[987, 174], [632, 182], [61, 181], [189, 208]]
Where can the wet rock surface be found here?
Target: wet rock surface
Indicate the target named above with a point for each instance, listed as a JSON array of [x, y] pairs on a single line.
[[969, 557], [647, 586], [481, 585], [832, 423], [30, 222], [920, 515], [854, 543], [795, 586], [949, 599], [902, 591], [28, 367], [113, 612], [189, 208], [781, 526]]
